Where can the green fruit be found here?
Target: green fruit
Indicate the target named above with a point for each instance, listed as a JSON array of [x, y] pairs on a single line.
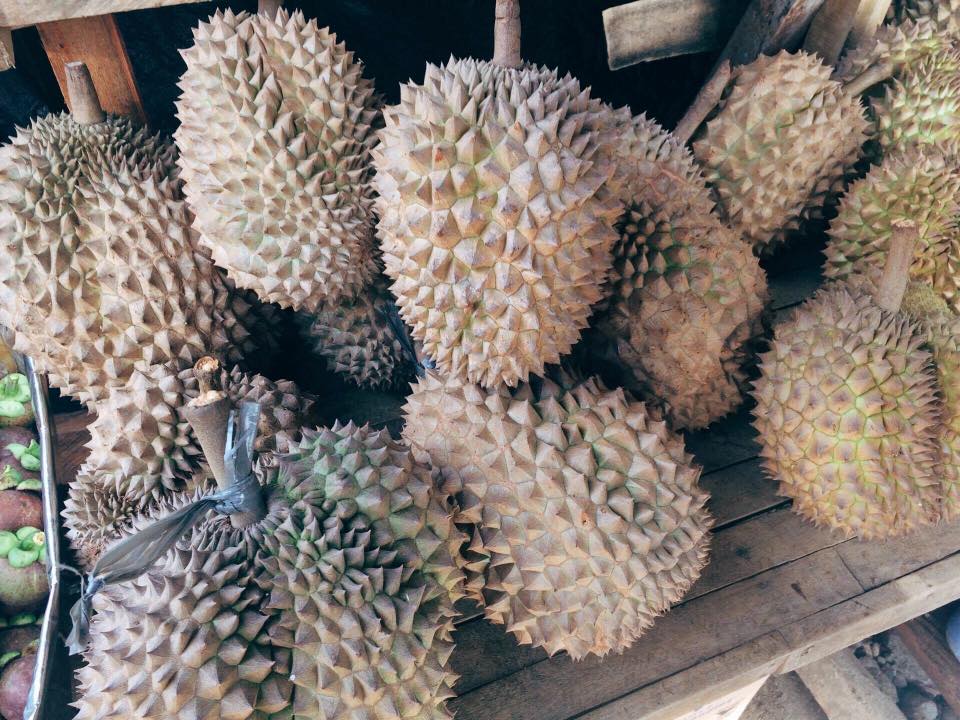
[[8, 541], [7, 657], [26, 532], [19, 557], [23, 619], [31, 484]]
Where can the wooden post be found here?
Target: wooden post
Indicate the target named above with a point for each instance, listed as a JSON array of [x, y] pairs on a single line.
[[96, 42], [82, 95], [830, 28], [506, 34]]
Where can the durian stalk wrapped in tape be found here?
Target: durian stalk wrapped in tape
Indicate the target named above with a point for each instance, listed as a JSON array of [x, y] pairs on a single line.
[[585, 517], [103, 275], [276, 126], [330, 595], [854, 412], [497, 196]]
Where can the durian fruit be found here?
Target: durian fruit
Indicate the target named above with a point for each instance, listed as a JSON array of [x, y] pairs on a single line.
[[783, 140], [583, 509], [848, 413], [335, 602], [943, 14], [143, 451], [921, 185], [686, 293], [497, 198], [103, 274], [355, 338], [275, 136]]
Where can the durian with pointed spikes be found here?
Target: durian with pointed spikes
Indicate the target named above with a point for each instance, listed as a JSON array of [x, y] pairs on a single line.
[[686, 293], [541, 473], [943, 14], [783, 140], [335, 600], [497, 195], [849, 408], [275, 136]]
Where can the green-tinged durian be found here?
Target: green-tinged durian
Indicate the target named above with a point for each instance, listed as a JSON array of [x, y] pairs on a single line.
[[686, 293], [337, 603], [497, 200], [275, 136], [943, 14], [583, 509], [356, 339], [781, 143], [920, 185]]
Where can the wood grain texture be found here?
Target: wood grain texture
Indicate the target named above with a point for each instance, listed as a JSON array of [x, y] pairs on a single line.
[[927, 644], [652, 29], [844, 689], [18, 13], [95, 41]]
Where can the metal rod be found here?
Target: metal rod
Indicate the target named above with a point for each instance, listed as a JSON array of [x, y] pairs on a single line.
[[51, 530]]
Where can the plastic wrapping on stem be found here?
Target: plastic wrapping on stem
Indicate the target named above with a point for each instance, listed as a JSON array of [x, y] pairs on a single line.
[[133, 556]]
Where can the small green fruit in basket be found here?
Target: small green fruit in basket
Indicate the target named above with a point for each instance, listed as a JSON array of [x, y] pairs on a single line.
[[15, 407], [19, 460], [23, 575]]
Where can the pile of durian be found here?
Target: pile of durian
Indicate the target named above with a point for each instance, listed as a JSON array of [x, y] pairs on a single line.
[[495, 238]]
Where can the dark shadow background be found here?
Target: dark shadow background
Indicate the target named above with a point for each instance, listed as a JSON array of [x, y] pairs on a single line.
[[393, 37]]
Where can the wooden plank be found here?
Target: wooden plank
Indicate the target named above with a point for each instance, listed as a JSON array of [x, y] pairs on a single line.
[[845, 690], [19, 13], [729, 707], [928, 645], [95, 41], [738, 492], [653, 29], [727, 442], [877, 610], [830, 28], [689, 634], [768, 26]]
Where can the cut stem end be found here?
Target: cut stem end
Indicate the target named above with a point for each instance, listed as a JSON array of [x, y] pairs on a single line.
[[506, 34], [896, 270], [85, 106]]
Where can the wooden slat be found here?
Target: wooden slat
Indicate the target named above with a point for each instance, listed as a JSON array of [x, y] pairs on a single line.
[[844, 689], [738, 492], [95, 41], [726, 442], [19, 13], [927, 644], [653, 29], [559, 688]]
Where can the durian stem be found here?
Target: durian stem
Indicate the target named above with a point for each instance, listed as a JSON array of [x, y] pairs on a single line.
[[269, 7], [506, 34], [85, 106], [868, 78], [208, 415], [705, 102], [896, 270]]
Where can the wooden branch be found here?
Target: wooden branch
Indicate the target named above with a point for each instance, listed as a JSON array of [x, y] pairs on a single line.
[[830, 28], [84, 104], [97, 43], [653, 29], [20, 13], [929, 648], [868, 18], [706, 100], [768, 26], [506, 34], [7, 60]]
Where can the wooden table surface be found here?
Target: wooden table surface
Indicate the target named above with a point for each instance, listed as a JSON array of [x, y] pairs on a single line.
[[778, 593]]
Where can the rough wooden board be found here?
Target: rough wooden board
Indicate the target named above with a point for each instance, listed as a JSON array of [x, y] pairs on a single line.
[[829, 30], [875, 563], [928, 645], [874, 611], [768, 26], [18, 13], [653, 29], [845, 690], [689, 634], [727, 442], [95, 41], [738, 492]]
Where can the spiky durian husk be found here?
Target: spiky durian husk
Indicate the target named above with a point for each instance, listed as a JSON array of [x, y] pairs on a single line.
[[104, 274], [944, 14], [355, 339], [895, 48], [585, 516], [337, 604], [496, 214], [784, 137], [921, 107], [847, 416], [922, 186], [275, 135], [686, 293]]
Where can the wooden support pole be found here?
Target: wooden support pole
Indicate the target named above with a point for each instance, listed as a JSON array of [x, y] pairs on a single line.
[[96, 42], [830, 28]]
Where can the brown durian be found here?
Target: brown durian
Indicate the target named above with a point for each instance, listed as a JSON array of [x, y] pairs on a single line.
[[275, 136], [585, 517]]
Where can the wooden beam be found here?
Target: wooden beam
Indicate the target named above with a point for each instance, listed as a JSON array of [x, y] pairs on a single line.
[[95, 41], [652, 29], [845, 690], [19, 13], [830, 28], [929, 648]]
